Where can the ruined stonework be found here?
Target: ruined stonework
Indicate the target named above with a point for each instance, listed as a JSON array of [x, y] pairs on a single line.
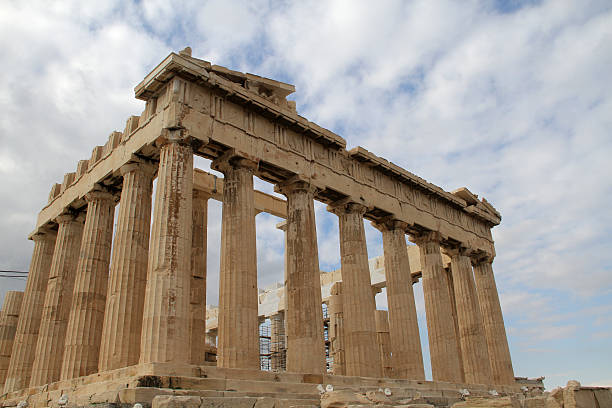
[[99, 330]]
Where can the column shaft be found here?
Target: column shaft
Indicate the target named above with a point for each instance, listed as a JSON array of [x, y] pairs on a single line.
[[493, 321], [9, 317], [24, 346], [360, 347], [165, 326], [407, 357], [443, 349], [56, 310], [451, 291], [336, 330], [305, 345], [238, 339], [197, 302], [384, 342], [122, 326], [475, 356], [84, 332]]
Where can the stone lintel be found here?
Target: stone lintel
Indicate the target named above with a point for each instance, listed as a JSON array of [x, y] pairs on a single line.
[[234, 158]]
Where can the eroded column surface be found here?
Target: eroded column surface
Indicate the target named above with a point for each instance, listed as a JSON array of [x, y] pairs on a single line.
[[84, 332], [9, 317], [443, 349], [238, 339], [56, 309], [336, 330], [493, 322], [165, 327], [120, 346], [360, 345], [24, 345], [407, 358], [197, 302], [305, 345], [384, 342], [475, 357]]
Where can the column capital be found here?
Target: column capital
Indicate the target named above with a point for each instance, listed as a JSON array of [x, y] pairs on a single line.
[[421, 238], [42, 233], [295, 183], [179, 136], [201, 194], [99, 193], [146, 167], [479, 258], [346, 206], [69, 216], [232, 159], [389, 224], [456, 250]]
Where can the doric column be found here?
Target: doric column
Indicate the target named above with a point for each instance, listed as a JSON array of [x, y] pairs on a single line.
[[84, 332], [120, 345], [197, 302], [443, 349], [407, 357], [165, 325], [475, 357], [384, 342], [360, 347], [305, 345], [56, 309], [451, 291], [238, 340], [24, 346], [277, 342], [9, 317], [493, 321], [336, 330]]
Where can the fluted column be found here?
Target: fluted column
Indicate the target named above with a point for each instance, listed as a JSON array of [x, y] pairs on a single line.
[[277, 342], [84, 332], [165, 326], [360, 347], [24, 346], [475, 356], [493, 321], [56, 310], [444, 353], [336, 329], [305, 345], [120, 346], [238, 339], [9, 317], [384, 342], [197, 302], [407, 357]]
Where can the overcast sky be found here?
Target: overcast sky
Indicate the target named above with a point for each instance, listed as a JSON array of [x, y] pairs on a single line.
[[512, 99]]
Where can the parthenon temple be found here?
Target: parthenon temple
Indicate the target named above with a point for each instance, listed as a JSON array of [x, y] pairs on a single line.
[[116, 313]]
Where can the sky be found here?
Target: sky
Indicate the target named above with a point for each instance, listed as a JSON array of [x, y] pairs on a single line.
[[512, 99]]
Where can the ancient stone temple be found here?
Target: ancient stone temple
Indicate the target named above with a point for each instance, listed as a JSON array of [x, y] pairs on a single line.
[[116, 314]]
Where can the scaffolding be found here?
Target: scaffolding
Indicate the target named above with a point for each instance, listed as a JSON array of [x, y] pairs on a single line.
[[278, 344], [264, 345]]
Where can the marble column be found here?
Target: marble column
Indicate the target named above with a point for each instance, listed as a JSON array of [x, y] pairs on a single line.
[[336, 330], [197, 304], [26, 337], [305, 344], [166, 318], [56, 309], [407, 358], [9, 317], [451, 292], [493, 322], [277, 342], [120, 346], [238, 339], [360, 346], [444, 353], [384, 342], [84, 332], [475, 357]]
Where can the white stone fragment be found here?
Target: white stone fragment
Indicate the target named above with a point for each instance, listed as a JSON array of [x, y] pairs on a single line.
[[388, 392], [494, 393], [329, 388]]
